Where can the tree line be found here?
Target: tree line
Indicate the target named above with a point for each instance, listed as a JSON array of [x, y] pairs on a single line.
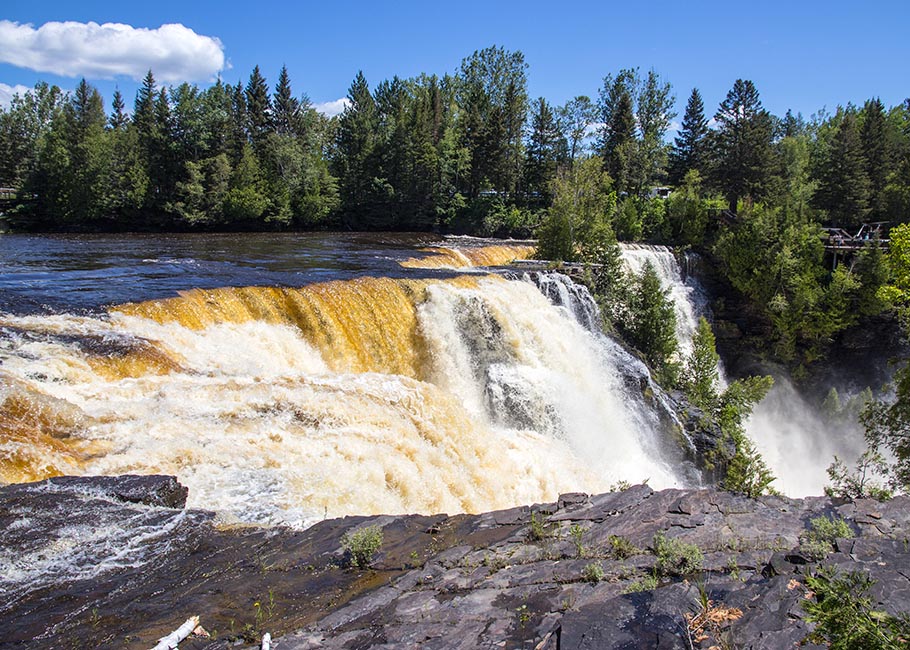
[[466, 152]]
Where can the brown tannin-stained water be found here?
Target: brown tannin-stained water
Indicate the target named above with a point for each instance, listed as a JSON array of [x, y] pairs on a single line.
[[288, 378]]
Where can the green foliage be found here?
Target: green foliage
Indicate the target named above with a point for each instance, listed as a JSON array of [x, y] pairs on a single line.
[[700, 375], [593, 573], [845, 615], [690, 148], [744, 161], [577, 226], [577, 533], [887, 425], [676, 557], [621, 548], [361, 545], [865, 481], [823, 532], [775, 257], [645, 583], [746, 471], [538, 527], [649, 321], [844, 185]]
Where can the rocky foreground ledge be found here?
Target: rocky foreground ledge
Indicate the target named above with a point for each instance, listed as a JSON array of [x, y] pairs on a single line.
[[117, 562]]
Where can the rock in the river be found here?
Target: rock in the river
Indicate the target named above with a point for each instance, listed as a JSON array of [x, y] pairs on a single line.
[[576, 574]]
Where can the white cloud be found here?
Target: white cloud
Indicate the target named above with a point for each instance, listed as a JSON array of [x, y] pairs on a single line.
[[7, 93], [331, 109], [173, 52]]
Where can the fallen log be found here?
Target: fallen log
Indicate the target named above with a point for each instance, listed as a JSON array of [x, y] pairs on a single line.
[[170, 641]]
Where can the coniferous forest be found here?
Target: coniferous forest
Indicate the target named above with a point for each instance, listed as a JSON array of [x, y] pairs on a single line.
[[471, 152]]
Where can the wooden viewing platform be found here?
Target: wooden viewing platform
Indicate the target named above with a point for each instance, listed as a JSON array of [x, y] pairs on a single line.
[[839, 240]]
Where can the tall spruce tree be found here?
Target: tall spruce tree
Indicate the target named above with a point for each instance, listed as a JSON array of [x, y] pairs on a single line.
[[546, 149], [286, 106], [616, 141], [690, 147], [744, 156], [118, 119], [357, 130], [258, 108], [844, 188], [874, 138]]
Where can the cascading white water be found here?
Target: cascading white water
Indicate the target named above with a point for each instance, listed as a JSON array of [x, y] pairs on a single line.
[[501, 399], [793, 438], [685, 295]]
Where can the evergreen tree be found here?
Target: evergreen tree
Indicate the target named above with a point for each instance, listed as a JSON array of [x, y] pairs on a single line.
[[650, 324], [238, 138], [690, 147], [700, 376], [144, 112], [546, 149], [287, 108], [118, 119], [874, 138], [792, 126], [616, 142], [356, 140], [258, 108], [844, 188], [744, 157]]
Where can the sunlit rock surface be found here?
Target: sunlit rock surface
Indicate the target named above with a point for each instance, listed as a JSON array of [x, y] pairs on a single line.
[[105, 562]]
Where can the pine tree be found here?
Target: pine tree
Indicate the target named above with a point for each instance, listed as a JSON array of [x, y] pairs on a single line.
[[792, 125], [144, 109], [844, 187], [690, 147], [744, 157], [700, 375]]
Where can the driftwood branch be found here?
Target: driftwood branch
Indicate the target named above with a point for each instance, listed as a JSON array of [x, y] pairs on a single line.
[[170, 641]]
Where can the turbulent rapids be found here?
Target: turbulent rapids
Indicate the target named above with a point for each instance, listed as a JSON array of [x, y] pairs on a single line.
[[286, 405]]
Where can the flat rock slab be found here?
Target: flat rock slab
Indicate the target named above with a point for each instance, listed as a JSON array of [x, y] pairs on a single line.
[[115, 562]]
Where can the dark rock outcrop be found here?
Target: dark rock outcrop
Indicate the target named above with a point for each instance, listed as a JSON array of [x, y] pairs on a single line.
[[578, 573]]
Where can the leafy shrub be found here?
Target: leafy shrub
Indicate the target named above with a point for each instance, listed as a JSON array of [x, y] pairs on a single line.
[[676, 557], [538, 529], [823, 532], [621, 548], [844, 614], [361, 545], [593, 573], [645, 583]]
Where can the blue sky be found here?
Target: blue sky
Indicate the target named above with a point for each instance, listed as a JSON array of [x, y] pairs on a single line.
[[801, 55]]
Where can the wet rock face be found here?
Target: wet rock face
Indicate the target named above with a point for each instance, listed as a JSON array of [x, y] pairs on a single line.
[[580, 573], [154, 490]]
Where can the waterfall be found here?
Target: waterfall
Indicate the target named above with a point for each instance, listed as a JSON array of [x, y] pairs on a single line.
[[683, 292], [282, 405], [794, 439]]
